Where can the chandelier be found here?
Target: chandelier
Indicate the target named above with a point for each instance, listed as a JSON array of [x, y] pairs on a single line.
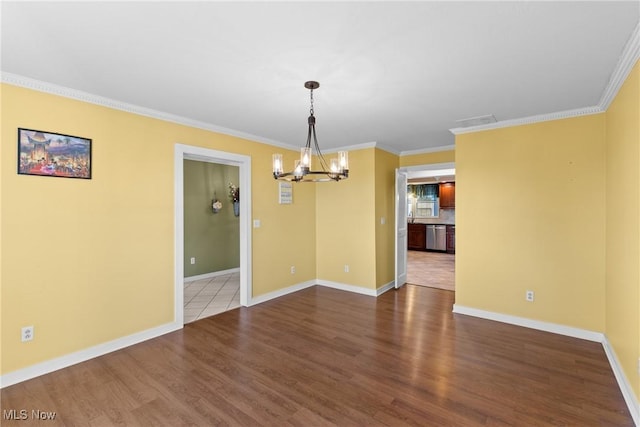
[[337, 169]]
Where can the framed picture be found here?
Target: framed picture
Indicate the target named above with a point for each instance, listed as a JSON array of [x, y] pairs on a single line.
[[53, 154]]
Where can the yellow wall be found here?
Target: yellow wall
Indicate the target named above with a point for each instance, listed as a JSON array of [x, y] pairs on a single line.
[[89, 261], [448, 156], [530, 215], [623, 226], [385, 167], [345, 224], [286, 236]]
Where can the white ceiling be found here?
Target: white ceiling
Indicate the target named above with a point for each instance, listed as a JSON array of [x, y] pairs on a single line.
[[396, 73]]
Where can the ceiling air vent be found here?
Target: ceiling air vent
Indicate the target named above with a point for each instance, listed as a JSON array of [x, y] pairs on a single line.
[[476, 121]]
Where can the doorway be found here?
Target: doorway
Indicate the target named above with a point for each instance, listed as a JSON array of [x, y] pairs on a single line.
[[427, 268], [185, 152]]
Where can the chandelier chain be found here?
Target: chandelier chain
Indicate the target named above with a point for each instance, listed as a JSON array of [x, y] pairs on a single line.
[[311, 108]]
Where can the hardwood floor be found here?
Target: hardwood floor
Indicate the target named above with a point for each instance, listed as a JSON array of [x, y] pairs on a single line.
[[433, 269], [324, 357]]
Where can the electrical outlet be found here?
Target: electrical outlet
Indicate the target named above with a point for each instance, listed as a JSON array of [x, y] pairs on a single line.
[[293, 269], [27, 333], [193, 260], [530, 296], [346, 268]]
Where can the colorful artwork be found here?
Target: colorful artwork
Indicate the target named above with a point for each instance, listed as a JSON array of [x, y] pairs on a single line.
[[53, 154]]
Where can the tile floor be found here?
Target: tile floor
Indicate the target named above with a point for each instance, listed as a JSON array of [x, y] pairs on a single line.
[[432, 269], [206, 297]]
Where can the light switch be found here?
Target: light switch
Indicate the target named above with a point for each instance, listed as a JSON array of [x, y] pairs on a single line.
[[256, 223]]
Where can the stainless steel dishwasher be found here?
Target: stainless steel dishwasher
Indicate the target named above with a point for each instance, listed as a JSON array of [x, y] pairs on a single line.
[[436, 237]]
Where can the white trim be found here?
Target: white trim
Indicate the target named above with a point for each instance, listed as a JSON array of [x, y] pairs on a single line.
[[348, 288], [326, 283], [182, 152], [626, 62], [429, 167], [530, 323], [66, 92], [211, 275], [84, 355], [625, 386], [384, 288], [628, 59], [388, 149], [428, 150], [530, 120], [354, 147], [362, 146], [281, 292], [26, 82]]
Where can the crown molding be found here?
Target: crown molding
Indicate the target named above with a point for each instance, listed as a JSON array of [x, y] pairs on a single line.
[[628, 58], [388, 149], [78, 95], [530, 120], [626, 62], [428, 150], [363, 146]]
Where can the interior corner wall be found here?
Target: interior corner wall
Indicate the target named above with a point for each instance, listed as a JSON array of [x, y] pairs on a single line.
[[87, 262], [530, 215], [623, 227], [212, 239], [385, 168], [345, 225]]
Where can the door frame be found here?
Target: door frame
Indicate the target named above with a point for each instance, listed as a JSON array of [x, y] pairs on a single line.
[[187, 152], [433, 167], [402, 229]]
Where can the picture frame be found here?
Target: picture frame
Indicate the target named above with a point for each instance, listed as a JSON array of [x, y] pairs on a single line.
[[58, 155]]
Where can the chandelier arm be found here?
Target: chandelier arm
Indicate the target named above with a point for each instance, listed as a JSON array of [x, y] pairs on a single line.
[[304, 173], [323, 162]]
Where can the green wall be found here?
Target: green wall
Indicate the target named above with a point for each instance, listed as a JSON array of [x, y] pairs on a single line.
[[212, 238]]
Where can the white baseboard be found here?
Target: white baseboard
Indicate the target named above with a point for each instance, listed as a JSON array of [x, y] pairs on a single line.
[[326, 283], [211, 275], [84, 355], [530, 323], [625, 386], [348, 288], [280, 292], [382, 289], [52, 365]]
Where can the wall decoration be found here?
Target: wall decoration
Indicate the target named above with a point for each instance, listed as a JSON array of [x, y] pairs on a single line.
[[285, 193], [234, 195], [53, 154], [216, 205]]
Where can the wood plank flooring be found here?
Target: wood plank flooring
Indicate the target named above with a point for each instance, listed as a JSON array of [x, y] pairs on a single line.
[[433, 269], [324, 357]]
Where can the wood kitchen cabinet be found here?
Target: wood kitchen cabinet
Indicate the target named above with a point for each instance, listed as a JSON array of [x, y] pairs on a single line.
[[417, 237], [451, 239], [448, 195]]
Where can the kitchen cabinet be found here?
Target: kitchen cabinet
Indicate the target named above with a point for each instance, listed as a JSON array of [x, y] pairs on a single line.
[[448, 195], [451, 239], [417, 237]]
